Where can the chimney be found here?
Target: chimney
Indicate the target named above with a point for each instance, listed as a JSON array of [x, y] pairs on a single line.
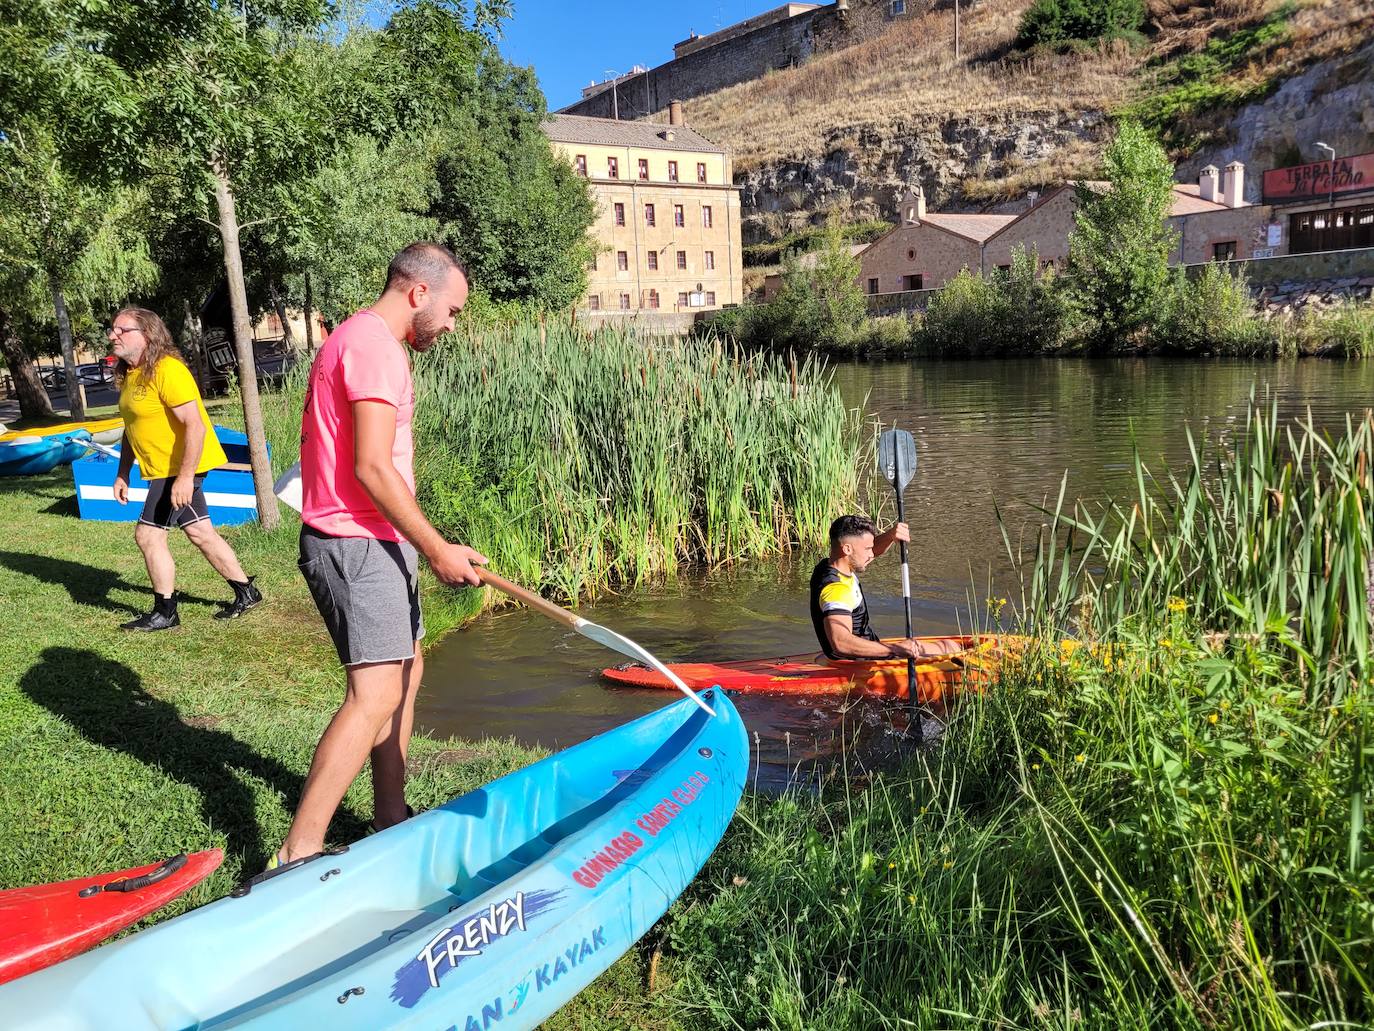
[[1207, 184], [1031, 198], [675, 113], [1233, 185], [914, 206]]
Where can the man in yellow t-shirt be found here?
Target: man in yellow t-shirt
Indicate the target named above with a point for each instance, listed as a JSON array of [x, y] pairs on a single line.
[[167, 429]]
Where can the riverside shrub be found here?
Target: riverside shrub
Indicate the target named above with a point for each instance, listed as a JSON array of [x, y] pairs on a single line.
[[1210, 313], [971, 317]]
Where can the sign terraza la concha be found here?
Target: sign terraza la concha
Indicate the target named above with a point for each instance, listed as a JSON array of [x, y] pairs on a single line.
[[1320, 179]]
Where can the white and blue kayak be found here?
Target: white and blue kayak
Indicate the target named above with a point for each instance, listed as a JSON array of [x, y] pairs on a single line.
[[493, 910]]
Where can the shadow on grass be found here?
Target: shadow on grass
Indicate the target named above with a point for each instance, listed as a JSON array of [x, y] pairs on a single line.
[[87, 585], [105, 701]]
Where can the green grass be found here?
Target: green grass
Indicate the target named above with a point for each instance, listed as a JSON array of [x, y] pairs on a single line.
[[809, 239], [1181, 91], [1166, 830], [117, 749]]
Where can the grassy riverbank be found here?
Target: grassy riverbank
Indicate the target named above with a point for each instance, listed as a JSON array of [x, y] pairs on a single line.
[[1168, 830]]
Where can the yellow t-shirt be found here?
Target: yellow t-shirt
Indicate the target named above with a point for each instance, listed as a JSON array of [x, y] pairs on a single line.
[[156, 435]]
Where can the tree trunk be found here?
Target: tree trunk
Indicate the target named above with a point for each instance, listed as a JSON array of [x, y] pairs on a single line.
[[76, 393], [243, 347], [195, 340], [309, 318], [287, 337], [33, 399]]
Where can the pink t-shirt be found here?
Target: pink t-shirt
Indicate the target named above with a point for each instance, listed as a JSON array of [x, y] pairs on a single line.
[[361, 361]]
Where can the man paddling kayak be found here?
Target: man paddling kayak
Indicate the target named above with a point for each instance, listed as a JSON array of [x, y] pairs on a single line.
[[838, 610]]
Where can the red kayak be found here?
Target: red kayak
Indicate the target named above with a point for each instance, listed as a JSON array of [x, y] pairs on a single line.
[[47, 923], [963, 662]]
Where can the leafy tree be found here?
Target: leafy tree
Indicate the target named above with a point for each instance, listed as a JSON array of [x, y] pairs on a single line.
[[66, 244], [820, 299], [1056, 22], [1119, 249], [1039, 313]]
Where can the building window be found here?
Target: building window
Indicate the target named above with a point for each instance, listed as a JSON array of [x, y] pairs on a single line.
[[706, 216], [710, 298], [653, 261], [591, 265], [653, 298], [619, 214], [898, 7], [682, 300], [1225, 251], [701, 171], [710, 259], [679, 217], [644, 168], [1003, 268], [580, 163], [916, 282], [624, 302], [622, 261], [649, 215], [613, 168], [682, 259], [911, 254], [872, 285], [672, 171], [594, 302]]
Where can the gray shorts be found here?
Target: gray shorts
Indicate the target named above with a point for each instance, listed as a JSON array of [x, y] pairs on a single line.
[[368, 592]]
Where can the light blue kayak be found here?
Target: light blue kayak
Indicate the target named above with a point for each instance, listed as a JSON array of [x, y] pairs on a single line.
[[32, 456], [491, 911]]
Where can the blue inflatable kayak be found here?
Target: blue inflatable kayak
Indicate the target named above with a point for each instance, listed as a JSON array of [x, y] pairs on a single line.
[[31, 456], [491, 911]]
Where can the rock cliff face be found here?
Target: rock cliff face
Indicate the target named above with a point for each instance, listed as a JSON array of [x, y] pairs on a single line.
[[1332, 101], [865, 172]]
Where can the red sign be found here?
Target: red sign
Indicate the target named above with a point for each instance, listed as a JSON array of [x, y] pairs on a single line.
[[1320, 179]]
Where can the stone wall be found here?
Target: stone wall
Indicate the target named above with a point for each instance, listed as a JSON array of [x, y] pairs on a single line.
[[742, 57], [934, 254], [1044, 229], [1293, 269]]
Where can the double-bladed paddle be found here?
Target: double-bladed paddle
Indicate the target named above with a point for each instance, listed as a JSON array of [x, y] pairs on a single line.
[[288, 491], [897, 460]]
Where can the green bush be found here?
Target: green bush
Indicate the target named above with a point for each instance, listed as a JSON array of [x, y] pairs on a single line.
[[969, 317], [1210, 313], [1057, 22]]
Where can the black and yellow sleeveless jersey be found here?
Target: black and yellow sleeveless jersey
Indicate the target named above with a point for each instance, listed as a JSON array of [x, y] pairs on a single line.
[[833, 593]]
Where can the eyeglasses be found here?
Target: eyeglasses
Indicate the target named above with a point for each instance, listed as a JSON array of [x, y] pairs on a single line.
[[119, 331]]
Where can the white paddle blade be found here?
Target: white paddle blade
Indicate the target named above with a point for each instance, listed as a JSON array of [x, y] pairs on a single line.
[[625, 646], [104, 449], [897, 457], [288, 488]]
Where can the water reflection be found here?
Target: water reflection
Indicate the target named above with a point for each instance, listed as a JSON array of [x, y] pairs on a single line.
[[1009, 431]]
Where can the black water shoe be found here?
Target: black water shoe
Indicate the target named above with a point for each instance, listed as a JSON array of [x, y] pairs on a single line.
[[163, 617], [246, 595]]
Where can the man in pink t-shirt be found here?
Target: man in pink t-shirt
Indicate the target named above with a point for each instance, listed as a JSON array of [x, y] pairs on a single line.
[[361, 530]]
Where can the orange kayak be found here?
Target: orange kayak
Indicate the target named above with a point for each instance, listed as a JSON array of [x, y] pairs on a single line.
[[971, 661]]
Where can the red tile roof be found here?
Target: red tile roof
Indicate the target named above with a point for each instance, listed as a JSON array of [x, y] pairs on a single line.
[[972, 227]]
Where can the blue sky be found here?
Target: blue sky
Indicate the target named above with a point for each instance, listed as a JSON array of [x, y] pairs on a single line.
[[572, 42]]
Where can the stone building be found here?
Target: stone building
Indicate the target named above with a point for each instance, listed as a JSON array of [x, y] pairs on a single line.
[[668, 218], [924, 251]]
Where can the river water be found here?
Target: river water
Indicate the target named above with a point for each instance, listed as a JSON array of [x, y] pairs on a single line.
[[1008, 431]]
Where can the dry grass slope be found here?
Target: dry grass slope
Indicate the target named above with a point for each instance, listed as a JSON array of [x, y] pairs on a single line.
[[906, 81]]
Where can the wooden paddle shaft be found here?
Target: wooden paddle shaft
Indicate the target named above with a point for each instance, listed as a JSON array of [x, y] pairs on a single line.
[[529, 598]]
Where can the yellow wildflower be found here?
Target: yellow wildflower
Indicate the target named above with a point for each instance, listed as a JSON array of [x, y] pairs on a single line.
[[948, 864], [1212, 718], [1177, 604], [911, 899], [1035, 766], [1080, 758], [1224, 704], [892, 866]]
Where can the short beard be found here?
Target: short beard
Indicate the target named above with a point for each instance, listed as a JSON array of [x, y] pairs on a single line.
[[424, 330]]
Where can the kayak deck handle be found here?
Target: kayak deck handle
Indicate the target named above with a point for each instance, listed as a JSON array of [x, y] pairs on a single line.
[[164, 871], [358, 990]]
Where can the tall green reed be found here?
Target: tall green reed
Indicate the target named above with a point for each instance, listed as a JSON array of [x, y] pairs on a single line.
[[582, 460]]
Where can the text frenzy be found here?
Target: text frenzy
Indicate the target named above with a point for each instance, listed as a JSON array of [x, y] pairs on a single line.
[[473, 935]]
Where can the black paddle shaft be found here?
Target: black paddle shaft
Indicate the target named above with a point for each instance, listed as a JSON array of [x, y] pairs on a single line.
[[906, 605]]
